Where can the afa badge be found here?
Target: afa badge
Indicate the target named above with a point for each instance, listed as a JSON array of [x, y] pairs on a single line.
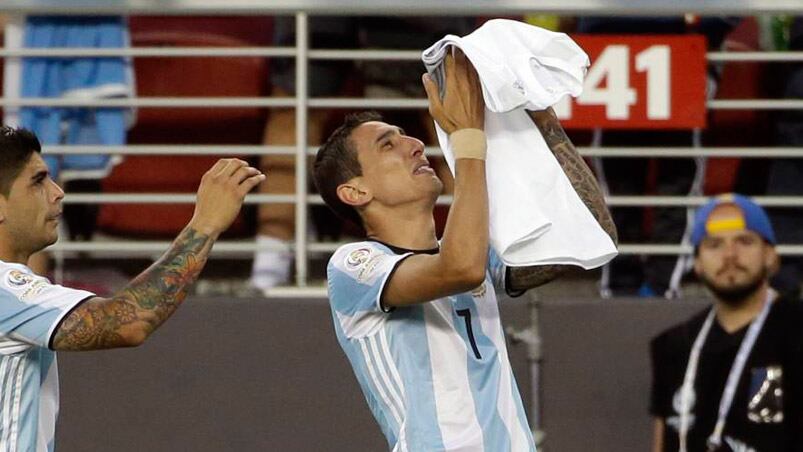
[[357, 257], [17, 279]]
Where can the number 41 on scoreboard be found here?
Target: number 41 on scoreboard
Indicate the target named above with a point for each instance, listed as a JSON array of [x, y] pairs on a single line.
[[640, 82]]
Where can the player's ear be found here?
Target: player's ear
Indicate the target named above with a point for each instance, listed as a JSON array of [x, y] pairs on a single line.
[[354, 193]]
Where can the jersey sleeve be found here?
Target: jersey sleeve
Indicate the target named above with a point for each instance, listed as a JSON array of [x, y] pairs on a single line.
[[31, 308], [499, 275], [357, 275]]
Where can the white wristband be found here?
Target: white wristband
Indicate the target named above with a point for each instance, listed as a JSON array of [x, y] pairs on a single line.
[[468, 144]]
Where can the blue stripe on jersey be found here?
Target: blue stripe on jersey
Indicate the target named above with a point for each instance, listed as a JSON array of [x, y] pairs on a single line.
[[350, 306], [497, 270], [359, 363], [407, 331], [40, 361], [27, 322], [11, 416], [46, 359], [6, 377], [483, 379], [390, 392]]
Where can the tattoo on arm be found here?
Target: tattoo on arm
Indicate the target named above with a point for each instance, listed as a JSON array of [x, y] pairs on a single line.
[[523, 278], [579, 174], [129, 316], [583, 182]]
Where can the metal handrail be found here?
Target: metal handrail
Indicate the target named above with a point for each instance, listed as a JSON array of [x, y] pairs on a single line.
[[613, 201], [401, 7], [318, 54], [301, 113], [247, 248], [241, 150], [190, 52], [154, 102], [755, 104], [324, 102], [775, 57]]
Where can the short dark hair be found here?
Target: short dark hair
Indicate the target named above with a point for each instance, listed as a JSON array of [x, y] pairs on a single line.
[[16, 147], [337, 163]]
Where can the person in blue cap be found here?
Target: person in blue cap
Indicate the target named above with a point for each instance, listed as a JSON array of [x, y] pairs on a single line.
[[731, 377]]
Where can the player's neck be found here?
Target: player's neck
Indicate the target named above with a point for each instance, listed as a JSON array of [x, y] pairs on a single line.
[[733, 317], [11, 254], [409, 228]]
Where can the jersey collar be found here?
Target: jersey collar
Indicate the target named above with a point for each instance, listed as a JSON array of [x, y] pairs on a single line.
[[399, 250]]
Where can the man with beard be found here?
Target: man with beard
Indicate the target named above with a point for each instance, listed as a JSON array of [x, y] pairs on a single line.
[[730, 378]]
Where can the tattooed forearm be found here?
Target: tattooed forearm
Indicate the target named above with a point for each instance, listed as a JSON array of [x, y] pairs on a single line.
[[580, 176], [584, 183], [129, 316], [523, 278]]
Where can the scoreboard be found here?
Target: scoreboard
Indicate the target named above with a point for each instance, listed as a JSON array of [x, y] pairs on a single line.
[[640, 82]]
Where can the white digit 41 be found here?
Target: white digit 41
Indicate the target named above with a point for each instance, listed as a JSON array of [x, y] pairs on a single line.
[[655, 61], [617, 95], [612, 69]]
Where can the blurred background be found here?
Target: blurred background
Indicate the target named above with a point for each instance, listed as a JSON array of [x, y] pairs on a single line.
[[134, 100]]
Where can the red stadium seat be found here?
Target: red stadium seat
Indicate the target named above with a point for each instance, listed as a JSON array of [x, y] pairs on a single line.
[[183, 77]]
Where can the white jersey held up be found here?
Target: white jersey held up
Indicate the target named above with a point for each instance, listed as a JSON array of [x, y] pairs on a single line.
[[436, 375], [31, 309]]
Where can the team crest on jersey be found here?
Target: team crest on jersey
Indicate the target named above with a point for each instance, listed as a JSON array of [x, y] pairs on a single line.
[[479, 292], [36, 288], [368, 267], [357, 258], [16, 279], [25, 285]]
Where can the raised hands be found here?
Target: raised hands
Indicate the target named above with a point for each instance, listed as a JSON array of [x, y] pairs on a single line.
[[462, 106], [221, 194]]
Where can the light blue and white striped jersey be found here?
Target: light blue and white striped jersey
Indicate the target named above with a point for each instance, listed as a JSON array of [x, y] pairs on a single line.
[[31, 309], [436, 375]]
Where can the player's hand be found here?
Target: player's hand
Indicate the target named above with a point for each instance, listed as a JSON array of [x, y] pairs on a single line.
[[463, 106], [221, 194]]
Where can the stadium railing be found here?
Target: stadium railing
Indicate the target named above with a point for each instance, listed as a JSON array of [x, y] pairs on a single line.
[[302, 102]]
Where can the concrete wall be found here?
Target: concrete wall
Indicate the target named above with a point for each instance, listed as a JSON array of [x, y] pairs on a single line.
[[596, 371], [268, 375]]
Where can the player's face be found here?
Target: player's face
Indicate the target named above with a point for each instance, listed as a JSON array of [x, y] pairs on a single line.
[[733, 263], [32, 210], [393, 164]]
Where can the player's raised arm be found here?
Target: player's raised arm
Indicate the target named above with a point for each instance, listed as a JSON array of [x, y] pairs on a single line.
[[128, 317], [572, 163], [583, 182], [461, 263]]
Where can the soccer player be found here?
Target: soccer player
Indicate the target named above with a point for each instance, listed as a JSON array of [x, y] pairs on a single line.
[[38, 318], [417, 318]]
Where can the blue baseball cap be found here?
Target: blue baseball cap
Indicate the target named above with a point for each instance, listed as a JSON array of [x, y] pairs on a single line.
[[754, 218]]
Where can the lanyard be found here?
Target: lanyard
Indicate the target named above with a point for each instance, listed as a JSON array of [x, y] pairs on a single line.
[[687, 390]]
